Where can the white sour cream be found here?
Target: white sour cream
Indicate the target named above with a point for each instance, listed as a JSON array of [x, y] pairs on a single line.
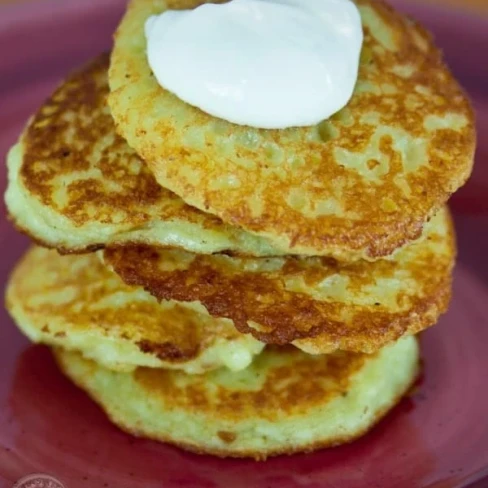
[[269, 64]]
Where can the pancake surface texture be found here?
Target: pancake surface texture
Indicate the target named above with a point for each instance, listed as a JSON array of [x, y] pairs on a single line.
[[76, 186], [76, 303], [285, 402], [358, 185], [316, 303]]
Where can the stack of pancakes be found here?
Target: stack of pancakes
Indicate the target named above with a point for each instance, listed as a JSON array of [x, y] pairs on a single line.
[[232, 290]]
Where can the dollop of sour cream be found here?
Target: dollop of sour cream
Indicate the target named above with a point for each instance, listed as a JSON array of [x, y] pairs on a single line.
[[268, 64]]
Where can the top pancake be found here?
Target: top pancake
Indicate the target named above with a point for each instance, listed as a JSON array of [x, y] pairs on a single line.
[[358, 185], [76, 186]]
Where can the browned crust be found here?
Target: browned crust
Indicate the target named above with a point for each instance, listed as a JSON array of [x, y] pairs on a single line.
[[285, 316], [168, 351], [295, 316], [377, 334], [239, 453], [227, 436]]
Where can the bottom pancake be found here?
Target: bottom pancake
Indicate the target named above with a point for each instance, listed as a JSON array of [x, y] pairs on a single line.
[[285, 402]]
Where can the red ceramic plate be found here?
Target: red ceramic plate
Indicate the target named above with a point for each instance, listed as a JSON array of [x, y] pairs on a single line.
[[437, 438]]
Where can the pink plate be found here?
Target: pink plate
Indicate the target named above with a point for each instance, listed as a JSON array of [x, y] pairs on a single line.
[[437, 438]]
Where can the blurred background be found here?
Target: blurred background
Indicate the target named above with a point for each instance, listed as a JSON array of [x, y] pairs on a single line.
[[476, 5], [479, 5]]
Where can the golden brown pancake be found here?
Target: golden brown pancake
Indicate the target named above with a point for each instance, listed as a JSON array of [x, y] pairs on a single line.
[[76, 186], [285, 402], [76, 303], [357, 185], [317, 303]]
